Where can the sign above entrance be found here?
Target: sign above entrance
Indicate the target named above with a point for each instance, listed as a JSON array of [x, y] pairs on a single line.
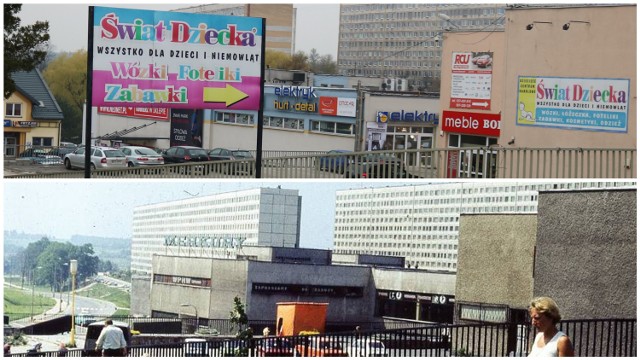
[[175, 60], [471, 123], [407, 116]]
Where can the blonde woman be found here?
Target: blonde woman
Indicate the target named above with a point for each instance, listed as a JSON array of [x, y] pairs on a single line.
[[549, 341]]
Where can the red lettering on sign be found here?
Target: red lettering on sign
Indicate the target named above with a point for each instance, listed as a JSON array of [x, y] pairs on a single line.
[[462, 59]]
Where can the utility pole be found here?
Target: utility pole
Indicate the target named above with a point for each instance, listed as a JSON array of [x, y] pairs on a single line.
[[359, 118]]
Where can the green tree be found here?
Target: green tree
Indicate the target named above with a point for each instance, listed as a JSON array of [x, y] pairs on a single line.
[[24, 46], [277, 59], [72, 124], [299, 61], [66, 76], [326, 65], [238, 317], [314, 59]]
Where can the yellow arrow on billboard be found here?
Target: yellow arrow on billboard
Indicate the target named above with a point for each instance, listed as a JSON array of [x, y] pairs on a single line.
[[228, 95]]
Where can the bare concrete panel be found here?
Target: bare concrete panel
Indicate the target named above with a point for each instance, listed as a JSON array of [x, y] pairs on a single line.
[[495, 259], [586, 252]]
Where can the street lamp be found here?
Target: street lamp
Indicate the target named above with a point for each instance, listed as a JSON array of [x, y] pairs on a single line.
[[60, 291], [196, 311], [73, 269]]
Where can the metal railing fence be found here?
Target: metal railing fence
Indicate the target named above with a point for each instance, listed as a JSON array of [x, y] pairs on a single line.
[[400, 164], [593, 338]]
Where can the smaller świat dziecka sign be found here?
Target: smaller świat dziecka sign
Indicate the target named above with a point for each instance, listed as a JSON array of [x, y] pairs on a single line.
[[595, 104], [175, 60]]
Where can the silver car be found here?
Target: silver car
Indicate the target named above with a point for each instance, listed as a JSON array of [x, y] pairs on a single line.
[[101, 158], [141, 156]]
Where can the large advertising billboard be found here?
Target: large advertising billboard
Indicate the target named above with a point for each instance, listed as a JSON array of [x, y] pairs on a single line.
[[175, 60], [573, 103]]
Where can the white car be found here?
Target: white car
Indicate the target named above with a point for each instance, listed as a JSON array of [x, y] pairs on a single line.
[[141, 156], [101, 158], [369, 348]]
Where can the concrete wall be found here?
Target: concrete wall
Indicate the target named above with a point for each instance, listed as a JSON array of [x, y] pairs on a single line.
[[140, 295], [586, 253], [495, 259], [605, 48]]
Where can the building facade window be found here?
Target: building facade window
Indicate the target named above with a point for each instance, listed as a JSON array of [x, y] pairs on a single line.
[[13, 109], [331, 127], [277, 122], [234, 118], [43, 141]]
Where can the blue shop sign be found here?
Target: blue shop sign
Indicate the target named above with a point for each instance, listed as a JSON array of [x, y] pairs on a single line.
[[407, 116], [7, 123]]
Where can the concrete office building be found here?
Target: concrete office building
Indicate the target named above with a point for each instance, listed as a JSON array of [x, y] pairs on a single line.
[[281, 20], [398, 41], [421, 222], [215, 225]]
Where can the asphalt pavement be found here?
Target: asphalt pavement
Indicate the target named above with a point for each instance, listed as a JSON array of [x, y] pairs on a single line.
[[27, 167]]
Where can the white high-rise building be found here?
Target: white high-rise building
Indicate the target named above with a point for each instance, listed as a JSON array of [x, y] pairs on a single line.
[[215, 225], [401, 41], [420, 223]]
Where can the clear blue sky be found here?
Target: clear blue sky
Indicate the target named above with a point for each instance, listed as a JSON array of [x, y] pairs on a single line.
[[317, 24], [62, 208]]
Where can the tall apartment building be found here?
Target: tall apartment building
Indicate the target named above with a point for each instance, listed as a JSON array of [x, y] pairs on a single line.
[[213, 226], [281, 21], [421, 222], [400, 41]]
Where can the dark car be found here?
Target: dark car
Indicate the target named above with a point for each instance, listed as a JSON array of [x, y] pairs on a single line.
[[221, 154], [334, 162], [183, 154], [275, 346], [33, 152], [375, 165]]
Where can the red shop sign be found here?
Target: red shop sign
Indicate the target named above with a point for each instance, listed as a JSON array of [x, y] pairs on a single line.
[[471, 123]]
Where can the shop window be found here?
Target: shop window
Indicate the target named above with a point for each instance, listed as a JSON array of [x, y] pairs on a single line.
[[43, 141], [13, 109]]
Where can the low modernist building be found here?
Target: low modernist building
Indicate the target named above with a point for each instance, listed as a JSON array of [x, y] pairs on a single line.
[[262, 277]]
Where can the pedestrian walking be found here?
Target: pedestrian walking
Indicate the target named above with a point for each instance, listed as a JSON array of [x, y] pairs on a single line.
[[7, 349], [62, 350], [549, 341], [111, 341]]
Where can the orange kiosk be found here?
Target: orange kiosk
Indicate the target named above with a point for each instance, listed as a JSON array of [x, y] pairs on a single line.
[[294, 317]]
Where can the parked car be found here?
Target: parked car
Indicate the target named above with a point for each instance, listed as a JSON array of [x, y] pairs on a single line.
[[274, 346], [321, 347], [183, 154], [375, 165], [368, 348], [220, 154], [93, 332], [334, 162], [226, 154], [101, 158], [33, 152], [141, 156]]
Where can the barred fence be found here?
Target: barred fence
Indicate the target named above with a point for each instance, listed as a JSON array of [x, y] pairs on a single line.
[[592, 338], [404, 164]]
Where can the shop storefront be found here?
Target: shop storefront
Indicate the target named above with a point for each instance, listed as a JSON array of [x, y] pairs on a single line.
[[296, 118], [415, 306], [471, 130], [395, 122]]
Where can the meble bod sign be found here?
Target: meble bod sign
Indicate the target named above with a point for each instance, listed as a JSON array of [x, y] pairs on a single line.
[[175, 60]]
